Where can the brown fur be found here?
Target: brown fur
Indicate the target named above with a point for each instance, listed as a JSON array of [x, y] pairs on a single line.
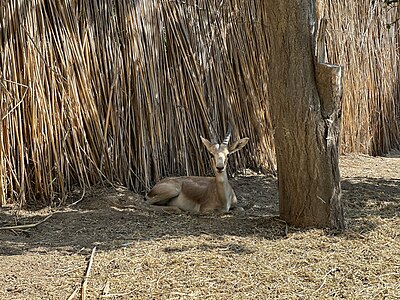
[[199, 194]]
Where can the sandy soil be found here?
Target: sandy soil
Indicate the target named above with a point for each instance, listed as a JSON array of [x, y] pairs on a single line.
[[249, 255]]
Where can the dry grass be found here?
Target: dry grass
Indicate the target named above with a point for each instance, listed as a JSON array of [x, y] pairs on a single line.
[[119, 91], [252, 255]]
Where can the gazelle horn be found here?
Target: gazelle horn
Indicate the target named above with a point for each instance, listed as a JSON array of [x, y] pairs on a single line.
[[228, 135]]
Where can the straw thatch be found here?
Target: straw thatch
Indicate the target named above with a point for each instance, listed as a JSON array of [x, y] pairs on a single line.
[[361, 40], [120, 91]]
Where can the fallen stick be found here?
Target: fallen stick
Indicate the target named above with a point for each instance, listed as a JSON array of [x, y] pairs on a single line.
[[72, 296], [116, 295], [324, 279], [85, 280], [26, 226], [106, 289], [79, 200]]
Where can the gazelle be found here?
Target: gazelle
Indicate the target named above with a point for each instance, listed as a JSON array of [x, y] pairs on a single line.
[[200, 194]]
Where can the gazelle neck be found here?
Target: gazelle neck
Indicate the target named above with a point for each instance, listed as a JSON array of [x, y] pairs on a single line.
[[221, 178], [223, 189]]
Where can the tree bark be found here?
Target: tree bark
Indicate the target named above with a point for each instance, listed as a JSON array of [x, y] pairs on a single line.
[[305, 103]]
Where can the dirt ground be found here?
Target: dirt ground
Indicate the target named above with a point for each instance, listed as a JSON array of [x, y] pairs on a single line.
[[141, 254]]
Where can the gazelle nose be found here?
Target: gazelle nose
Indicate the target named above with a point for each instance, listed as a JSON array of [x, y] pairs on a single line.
[[220, 169]]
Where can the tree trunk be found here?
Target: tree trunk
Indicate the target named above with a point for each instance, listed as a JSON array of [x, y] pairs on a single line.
[[305, 104]]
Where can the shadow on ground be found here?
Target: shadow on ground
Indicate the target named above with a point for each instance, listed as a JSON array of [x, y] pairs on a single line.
[[109, 218], [372, 196], [368, 201]]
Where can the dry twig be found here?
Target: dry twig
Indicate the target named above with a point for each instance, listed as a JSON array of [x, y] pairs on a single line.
[[26, 226], [86, 278], [75, 291]]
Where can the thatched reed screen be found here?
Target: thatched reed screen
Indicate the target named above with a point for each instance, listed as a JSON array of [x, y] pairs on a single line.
[[120, 91], [359, 39]]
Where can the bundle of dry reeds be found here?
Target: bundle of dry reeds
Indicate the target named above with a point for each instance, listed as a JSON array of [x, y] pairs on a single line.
[[361, 40], [120, 91]]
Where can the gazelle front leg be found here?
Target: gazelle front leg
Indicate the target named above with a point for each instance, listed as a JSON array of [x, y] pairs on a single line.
[[234, 206]]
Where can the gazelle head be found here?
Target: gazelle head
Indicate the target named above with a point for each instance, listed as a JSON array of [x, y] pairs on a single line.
[[220, 152]]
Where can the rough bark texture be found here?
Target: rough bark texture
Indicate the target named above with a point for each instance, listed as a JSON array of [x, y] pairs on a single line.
[[305, 104]]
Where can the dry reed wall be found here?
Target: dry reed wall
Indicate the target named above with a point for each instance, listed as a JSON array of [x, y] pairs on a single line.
[[120, 91], [359, 39]]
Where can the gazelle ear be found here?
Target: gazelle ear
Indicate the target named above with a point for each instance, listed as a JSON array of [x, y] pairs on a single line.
[[208, 144], [236, 146]]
